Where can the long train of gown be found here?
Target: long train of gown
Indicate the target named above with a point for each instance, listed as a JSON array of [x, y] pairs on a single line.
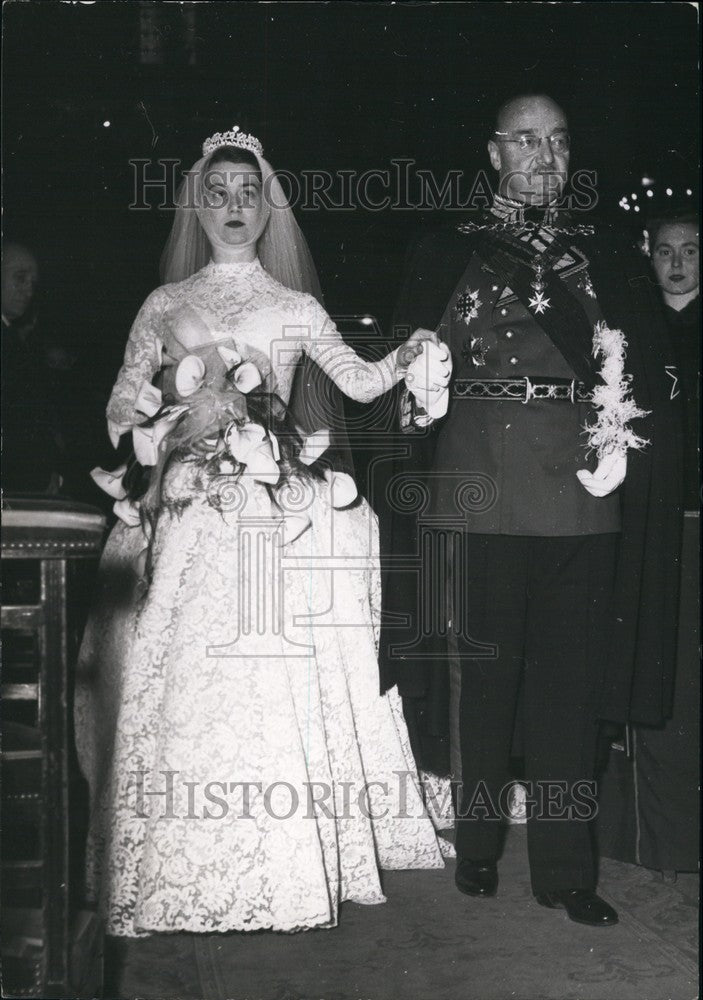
[[244, 771]]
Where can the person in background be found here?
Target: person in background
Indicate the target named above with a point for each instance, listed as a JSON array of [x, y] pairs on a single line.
[[20, 273], [674, 250], [32, 444], [666, 758]]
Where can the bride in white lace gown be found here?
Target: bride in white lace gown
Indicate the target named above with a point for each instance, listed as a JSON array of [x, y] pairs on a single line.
[[244, 772]]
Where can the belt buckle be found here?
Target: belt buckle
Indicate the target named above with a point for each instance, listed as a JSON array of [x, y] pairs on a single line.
[[530, 391]]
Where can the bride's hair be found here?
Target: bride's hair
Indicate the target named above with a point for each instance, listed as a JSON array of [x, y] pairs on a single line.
[[230, 154]]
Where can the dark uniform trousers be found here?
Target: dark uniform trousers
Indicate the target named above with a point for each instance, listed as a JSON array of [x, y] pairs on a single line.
[[543, 604]]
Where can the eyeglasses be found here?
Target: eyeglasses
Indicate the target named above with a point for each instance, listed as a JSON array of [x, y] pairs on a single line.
[[558, 143]]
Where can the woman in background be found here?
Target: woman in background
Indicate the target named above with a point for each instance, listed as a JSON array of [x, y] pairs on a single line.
[[667, 760]]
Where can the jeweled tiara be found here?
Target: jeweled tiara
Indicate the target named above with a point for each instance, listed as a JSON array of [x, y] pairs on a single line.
[[235, 137]]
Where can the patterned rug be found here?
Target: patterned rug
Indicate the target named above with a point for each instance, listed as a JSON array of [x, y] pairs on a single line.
[[429, 941]]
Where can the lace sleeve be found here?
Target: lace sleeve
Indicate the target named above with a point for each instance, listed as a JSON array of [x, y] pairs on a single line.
[[361, 380], [142, 359]]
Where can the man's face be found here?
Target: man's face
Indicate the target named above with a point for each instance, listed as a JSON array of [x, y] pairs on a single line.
[[531, 171], [19, 280], [675, 257]]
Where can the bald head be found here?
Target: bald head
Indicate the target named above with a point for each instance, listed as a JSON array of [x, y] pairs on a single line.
[[526, 107], [19, 279], [15, 251]]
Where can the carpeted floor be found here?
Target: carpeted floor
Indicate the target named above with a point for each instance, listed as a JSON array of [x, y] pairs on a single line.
[[428, 942]]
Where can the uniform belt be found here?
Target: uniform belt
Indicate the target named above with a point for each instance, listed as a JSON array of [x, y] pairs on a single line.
[[522, 389]]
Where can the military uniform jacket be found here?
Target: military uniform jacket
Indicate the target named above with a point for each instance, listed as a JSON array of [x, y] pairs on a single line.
[[509, 466]]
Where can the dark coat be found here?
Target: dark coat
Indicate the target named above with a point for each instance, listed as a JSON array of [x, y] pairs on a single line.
[[639, 675], [32, 446]]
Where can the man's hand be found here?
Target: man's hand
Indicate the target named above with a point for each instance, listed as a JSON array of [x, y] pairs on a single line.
[[431, 369], [428, 376], [412, 348], [608, 475]]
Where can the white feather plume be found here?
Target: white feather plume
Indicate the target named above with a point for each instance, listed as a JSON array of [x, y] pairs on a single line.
[[612, 400]]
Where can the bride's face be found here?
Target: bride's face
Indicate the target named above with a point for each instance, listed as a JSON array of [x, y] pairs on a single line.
[[233, 203]]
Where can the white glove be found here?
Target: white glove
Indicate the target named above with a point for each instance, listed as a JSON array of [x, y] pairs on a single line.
[[428, 376], [608, 475]]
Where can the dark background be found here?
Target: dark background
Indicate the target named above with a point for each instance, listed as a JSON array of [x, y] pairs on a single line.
[[326, 87]]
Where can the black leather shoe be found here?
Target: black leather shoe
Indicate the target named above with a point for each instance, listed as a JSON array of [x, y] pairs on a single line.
[[476, 878], [581, 905]]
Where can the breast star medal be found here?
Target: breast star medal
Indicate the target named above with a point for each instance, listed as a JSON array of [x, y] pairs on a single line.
[[474, 351], [467, 305], [538, 302]]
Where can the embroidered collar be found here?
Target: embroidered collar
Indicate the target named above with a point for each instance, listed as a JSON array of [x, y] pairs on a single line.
[[518, 212], [515, 217]]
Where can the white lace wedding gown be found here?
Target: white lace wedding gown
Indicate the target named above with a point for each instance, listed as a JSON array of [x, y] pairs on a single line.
[[244, 771]]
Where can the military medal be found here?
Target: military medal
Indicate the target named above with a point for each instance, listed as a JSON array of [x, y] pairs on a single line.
[[538, 302], [474, 351], [467, 305]]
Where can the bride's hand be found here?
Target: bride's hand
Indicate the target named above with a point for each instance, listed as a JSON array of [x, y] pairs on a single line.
[[412, 348]]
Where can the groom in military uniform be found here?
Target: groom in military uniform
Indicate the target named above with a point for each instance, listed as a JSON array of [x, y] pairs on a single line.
[[558, 560]]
